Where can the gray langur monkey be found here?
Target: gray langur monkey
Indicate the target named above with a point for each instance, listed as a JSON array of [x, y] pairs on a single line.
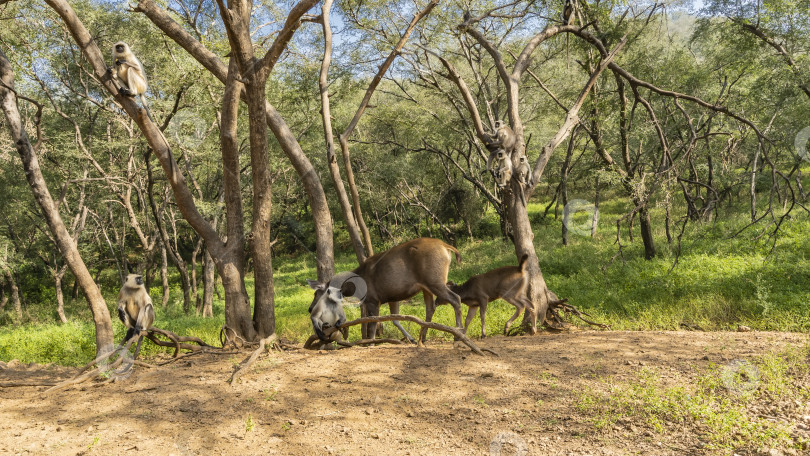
[[506, 137], [135, 307], [524, 171], [129, 70], [326, 312], [503, 173], [567, 12]]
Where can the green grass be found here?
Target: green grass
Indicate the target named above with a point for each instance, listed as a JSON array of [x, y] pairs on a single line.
[[724, 414], [719, 282]]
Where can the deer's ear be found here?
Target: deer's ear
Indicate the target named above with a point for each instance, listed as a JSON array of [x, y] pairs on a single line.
[[348, 288], [315, 285]]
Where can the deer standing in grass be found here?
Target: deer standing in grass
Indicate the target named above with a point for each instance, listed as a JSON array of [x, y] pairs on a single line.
[[508, 283]]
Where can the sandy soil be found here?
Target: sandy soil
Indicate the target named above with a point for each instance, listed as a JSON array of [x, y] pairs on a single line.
[[382, 401]]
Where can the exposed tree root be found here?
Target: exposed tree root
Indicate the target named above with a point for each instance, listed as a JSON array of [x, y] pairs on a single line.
[[372, 342], [245, 365], [19, 384], [122, 361], [176, 341], [459, 334], [556, 320], [229, 337], [86, 373]]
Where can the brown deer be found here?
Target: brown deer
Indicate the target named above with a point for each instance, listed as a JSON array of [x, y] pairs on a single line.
[[508, 283], [398, 274]]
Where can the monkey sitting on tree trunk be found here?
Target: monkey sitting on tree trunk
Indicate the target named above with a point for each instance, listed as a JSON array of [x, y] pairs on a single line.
[[129, 70], [135, 308]]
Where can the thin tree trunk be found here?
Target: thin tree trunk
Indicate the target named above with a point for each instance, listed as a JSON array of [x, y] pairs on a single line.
[[74, 294], [194, 281], [344, 137], [326, 115], [208, 286], [595, 219], [164, 276], [15, 293], [230, 257], [564, 187], [3, 297], [64, 241], [60, 296], [646, 233]]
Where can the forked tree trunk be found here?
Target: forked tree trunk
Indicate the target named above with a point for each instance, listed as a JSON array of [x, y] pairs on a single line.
[[64, 241], [230, 256]]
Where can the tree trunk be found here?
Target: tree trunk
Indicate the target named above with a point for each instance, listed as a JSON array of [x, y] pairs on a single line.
[[208, 286], [194, 281], [64, 241], [74, 294], [3, 297], [261, 247], [164, 276], [538, 291], [15, 292], [285, 137], [595, 219], [60, 297], [564, 187], [646, 233], [326, 115], [237, 312], [230, 257]]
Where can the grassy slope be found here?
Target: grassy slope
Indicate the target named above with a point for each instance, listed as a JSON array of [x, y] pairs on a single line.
[[719, 282]]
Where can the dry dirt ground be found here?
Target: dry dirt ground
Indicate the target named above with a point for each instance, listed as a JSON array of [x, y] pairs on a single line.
[[384, 400]]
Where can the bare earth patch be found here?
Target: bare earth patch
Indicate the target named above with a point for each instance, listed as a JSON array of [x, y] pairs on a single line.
[[383, 400]]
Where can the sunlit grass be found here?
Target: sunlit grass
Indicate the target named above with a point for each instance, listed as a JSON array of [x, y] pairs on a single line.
[[719, 282]]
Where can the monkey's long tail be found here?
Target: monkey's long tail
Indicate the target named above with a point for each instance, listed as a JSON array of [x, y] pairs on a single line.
[[146, 107], [567, 58]]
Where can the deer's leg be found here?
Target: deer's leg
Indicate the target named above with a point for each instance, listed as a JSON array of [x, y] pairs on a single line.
[[445, 295], [372, 310], [471, 311], [483, 313], [518, 309], [394, 306], [430, 308]]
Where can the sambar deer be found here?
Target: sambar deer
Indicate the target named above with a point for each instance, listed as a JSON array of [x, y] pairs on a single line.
[[400, 273], [508, 283]]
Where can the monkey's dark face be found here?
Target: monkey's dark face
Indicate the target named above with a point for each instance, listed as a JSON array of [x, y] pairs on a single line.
[[133, 281], [120, 48], [501, 155]]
